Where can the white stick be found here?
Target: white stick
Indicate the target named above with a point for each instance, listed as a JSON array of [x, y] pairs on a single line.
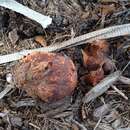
[[105, 33], [101, 87], [15, 6], [19, 55], [5, 91]]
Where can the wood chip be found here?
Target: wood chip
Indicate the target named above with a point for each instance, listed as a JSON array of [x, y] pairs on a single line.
[[41, 40]]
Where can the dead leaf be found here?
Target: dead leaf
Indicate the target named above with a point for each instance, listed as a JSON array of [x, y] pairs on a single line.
[[16, 121], [13, 36], [107, 9], [40, 40], [101, 111]]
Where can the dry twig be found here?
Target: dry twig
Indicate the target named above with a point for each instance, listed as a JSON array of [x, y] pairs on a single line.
[[5, 91], [119, 92]]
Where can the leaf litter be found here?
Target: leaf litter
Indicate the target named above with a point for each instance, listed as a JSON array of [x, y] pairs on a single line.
[[99, 105]]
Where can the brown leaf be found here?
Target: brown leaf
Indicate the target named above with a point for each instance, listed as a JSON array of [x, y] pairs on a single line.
[[107, 9], [40, 40], [13, 36]]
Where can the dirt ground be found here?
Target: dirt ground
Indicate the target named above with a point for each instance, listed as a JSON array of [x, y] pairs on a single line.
[[71, 18]]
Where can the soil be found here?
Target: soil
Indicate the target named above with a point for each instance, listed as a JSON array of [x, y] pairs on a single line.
[[71, 18]]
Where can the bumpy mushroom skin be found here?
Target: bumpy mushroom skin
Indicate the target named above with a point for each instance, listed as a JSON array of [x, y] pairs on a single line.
[[48, 76]]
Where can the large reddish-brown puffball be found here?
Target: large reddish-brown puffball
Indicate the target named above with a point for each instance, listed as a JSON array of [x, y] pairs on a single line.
[[47, 76]]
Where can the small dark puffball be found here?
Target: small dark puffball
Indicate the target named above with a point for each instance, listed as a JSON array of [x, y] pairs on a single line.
[[48, 76]]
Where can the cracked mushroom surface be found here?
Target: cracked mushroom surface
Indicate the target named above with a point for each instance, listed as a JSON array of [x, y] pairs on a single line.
[[48, 76]]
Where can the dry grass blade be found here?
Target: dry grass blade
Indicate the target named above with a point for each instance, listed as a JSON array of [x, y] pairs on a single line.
[[119, 92], [27, 102], [124, 128], [5, 91], [101, 87], [109, 32]]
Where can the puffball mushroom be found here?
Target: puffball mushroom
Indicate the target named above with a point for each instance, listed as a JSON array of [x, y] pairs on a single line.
[[48, 76]]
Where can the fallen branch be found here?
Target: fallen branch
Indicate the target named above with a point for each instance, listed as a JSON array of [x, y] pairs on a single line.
[[106, 33], [101, 87], [19, 8]]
